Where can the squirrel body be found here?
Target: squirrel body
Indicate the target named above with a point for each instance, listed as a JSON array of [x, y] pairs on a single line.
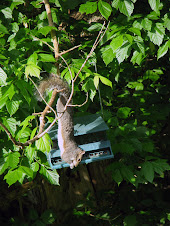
[[70, 152]]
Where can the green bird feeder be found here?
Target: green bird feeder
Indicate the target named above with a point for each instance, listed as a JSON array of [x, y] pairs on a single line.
[[90, 135]]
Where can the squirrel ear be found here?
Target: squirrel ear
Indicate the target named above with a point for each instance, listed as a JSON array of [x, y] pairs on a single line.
[[83, 152]]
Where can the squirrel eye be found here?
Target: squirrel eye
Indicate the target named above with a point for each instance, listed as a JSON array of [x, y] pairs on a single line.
[[79, 160]]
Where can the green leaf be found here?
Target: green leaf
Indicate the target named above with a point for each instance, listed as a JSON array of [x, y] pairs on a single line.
[[123, 112], [147, 24], [126, 7], [27, 171], [3, 165], [154, 4], [25, 123], [163, 49], [13, 105], [45, 30], [105, 81], [135, 30], [107, 54], [135, 85], [3, 29], [88, 7], [33, 58], [11, 177], [7, 13], [13, 159], [44, 143], [123, 52], [105, 9], [148, 171], [31, 153], [127, 173], [51, 176], [23, 87], [46, 57], [130, 220], [154, 74], [48, 217], [96, 81], [35, 166], [148, 147], [157, 33], [137, 57], [3, 77], [11, 124], [117, 176], [116, 42], [32, 69]]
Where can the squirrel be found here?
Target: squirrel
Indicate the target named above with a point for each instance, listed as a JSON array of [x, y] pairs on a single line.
[[70, 152]]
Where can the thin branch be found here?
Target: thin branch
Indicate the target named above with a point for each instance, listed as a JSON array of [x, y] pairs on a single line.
[[88, 56], [10, 136], [43, 42], [66, 51], [80, 105]]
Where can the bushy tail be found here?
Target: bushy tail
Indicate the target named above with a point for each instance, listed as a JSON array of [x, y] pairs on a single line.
[[51, 83]]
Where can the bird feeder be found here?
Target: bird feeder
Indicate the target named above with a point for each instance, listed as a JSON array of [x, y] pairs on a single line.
[[90, 135]]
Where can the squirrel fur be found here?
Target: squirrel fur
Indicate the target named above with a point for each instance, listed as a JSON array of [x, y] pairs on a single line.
[[70, 152]]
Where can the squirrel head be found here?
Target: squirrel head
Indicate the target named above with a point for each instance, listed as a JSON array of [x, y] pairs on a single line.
[[77, 159]]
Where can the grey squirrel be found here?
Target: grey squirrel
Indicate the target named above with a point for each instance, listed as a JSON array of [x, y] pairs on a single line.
[[70, 152]]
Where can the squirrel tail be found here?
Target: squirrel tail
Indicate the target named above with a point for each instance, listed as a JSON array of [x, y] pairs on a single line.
[[51, 83]]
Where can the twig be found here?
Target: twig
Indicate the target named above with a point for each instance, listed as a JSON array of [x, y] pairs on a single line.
[[10, 136], [80, 105], [88, 56]]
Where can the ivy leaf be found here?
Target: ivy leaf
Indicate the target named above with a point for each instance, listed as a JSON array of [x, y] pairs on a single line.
[[51, 175], [105, 9], [44, 143], [148, 171], [154, 4], [32, 69], [88, 7], [3, 77], [163, 49], [13, 159], [46, 57]]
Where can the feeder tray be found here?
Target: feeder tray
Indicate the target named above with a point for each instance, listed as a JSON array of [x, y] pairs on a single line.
[[90, 135]]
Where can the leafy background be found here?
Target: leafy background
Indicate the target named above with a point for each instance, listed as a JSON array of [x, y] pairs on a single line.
[[130, 66]]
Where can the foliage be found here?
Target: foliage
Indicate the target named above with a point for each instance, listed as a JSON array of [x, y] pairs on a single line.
[[130, 65]]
